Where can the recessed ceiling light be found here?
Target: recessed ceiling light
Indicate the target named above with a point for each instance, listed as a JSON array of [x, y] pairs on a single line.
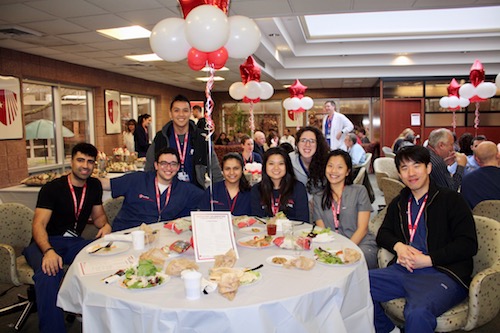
[[207, 69], [144, 57], [206, 78], [124, 33], [286, 86]]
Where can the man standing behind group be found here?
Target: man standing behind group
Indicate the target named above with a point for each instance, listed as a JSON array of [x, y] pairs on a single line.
[[182, 134], [62, 211], [153, 196], [442, 154], [335, 126], [200, 119]]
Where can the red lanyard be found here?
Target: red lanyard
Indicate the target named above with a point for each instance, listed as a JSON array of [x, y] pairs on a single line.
[[412, 227], [182, 155], [77, 208], [276, 205], [336, 213], [229, 200], [158, 198]]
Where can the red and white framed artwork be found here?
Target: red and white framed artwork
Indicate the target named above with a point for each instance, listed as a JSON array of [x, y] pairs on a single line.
[[112, 110], [11, 117]]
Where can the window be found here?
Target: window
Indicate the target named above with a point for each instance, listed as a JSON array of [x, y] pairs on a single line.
[[131, 107]]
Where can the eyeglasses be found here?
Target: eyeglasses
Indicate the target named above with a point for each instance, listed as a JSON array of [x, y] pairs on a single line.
[[310, 141], [164, 164]]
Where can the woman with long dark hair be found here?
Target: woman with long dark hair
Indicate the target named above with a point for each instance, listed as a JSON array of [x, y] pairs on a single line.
[[345, 207], [141, 136], [279, 191], [233, 193], [128, 135]]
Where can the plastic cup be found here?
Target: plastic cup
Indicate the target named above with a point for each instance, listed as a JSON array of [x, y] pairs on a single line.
[[138, 239], [271, 228], [192, 284]]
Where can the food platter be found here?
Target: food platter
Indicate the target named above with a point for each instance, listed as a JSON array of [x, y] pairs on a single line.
[[115, 248], [259, 242], [269, 260]]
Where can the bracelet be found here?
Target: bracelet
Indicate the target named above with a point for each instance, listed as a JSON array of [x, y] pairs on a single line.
[[50, 248]]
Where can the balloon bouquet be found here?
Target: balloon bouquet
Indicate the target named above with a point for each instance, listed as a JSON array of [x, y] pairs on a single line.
[[297, 102], [251, 90], [453, 101]]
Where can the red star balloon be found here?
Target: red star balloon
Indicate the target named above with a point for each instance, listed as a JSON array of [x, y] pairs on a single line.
[[453, 88], [476, 73], [188, 5], [297, 89], [249, 72]]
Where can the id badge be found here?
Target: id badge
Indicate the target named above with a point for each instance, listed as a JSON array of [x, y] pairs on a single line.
[[183, 176], [70, 233]]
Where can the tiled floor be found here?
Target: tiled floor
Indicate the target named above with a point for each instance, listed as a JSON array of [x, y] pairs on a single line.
[[31, 326]]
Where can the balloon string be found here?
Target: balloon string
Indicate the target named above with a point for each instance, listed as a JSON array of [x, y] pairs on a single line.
[[210, 128], [454, 122], [251, 119], [476, 119]]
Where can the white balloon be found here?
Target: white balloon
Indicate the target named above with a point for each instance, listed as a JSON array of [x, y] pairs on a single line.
[[294, 103], [464, 102], [497, 81], [168, 39], [453, 101], [467, 90], [252, 89], [266, 90], [237, 90], [244, 37], [486, 89], [286, 103], [306, 103], [207, 28], [444, 102]]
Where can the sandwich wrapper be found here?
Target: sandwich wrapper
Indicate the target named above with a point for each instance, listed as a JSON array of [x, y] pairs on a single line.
[[244, 221], [118, 237], [178, 225], [290, 244]]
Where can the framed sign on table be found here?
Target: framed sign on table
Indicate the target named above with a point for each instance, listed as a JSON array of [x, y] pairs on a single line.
[[11, 120], [112, 110]]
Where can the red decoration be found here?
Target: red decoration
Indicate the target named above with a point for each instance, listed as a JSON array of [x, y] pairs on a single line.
[[249, 72], [291, 114], [196, 59], [476, 73], [218, 58], [8, 107], [453, 88], [188, 5], [297, 89], [112, 110]]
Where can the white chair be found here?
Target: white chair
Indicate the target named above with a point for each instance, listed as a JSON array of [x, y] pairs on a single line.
[[387, 150], [488, 208], [391, 188], [360, 176], [385, 167], [366, 163]]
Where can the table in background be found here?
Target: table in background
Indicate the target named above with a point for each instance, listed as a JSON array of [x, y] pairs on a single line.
[[324, 299]]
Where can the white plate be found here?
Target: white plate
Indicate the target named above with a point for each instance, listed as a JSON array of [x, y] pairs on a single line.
[[254, 230], [341, 256], [330, 237], [123, 286], [257, 274], [117, 247], [269, 260], [241, 242]]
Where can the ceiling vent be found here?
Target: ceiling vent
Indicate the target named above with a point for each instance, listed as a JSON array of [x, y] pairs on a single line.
[[17, 31]]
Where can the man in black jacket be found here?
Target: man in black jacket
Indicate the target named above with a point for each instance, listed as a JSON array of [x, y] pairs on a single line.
[[432, 233], [182, 134]]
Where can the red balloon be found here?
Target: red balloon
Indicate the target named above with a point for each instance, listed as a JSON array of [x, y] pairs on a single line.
[[188, 5], [297, 89], [248, 100], [218, 58], [453, 88], [196, 59], [249, 71], [476, 73]]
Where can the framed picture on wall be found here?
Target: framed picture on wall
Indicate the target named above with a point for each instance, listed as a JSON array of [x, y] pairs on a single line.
[[294, 119], [112, 111], [11, 119]]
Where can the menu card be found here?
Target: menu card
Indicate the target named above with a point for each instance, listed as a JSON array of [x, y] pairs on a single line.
[[212, 235], [104, 265]]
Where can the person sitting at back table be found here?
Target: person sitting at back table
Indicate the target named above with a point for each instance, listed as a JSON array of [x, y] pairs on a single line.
[[153, 196], [222, 139], [471, 159], [400, 138], [345, 207], [279, 191], [358, 154], [62, 211], [248, 153], [288, 137], [483, 183], [232, 194], [361, 133]]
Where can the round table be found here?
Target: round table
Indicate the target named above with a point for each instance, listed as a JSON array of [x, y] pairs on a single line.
[[324, 299]]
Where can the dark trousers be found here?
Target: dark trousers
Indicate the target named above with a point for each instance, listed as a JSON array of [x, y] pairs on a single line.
[[51, 318], [428, 293]]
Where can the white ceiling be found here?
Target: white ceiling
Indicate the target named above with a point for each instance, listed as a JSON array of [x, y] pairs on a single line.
[[67, 31]]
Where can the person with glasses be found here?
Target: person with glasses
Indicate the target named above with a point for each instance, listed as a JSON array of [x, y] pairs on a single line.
[[153, 196], [232, 194], [279, 191]]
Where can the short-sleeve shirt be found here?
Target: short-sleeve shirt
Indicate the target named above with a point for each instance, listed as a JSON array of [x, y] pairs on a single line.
[[222, 201], [57, 197]]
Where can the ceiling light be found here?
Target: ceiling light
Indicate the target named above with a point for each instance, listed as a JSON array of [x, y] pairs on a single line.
[[402, 61], [144, 57], [207, 69], [125, 33], [206, 78], [286, 86]]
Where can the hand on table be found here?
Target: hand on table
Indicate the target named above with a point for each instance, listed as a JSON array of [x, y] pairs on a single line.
[[106, 229], [51, 263]]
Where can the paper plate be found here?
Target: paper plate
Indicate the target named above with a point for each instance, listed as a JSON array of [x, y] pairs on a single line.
[[242, 242], [258, 277], [123, 286], [254, 230], [116, 247], [269, 260]]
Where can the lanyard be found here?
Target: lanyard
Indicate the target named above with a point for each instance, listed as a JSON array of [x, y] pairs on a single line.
[[77, 208], [182, 155], [229, 200], [303, 167], [336, 214], [158, 205], [412, 227], [276, 205]]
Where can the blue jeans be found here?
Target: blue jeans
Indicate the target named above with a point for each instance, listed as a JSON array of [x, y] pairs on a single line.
[[428, 293], [51, 318]]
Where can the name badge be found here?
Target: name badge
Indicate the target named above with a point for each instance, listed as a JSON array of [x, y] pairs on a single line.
[[183, 176], [70, 233]]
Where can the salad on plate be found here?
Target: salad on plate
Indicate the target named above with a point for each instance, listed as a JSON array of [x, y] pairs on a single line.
[[143, 276]]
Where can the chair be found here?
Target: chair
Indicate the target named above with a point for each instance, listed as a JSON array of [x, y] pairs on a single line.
[[488, 208], [111, 208], [483, 302], [376, 221], [360, 176], [366, 163], [391, 188], [385, 167], [391, 155], [15, 234], [387, 150]]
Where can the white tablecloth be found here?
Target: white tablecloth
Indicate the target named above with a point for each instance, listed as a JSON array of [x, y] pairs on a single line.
[[324, 299]]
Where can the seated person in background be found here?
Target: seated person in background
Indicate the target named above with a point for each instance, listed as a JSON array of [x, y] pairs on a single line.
[[288, 137], [272, 140], [483, 183], [471, 160], [358, 154], [409, 140], [400, 138], [286, 147], [345, 207], [153, 196], [233, 193], [361, 133], [222, 139], [62, 211], [279, 191], [248, 153], [465, 144], [432, 233]]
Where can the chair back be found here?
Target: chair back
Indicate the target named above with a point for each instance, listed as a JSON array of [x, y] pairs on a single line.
[[391, 188], [387, 165], [390, 155], [386, 150], [360, 176], [112, 207], [16, 220], [488, 238], [368, 160], [376, 221], [488, 208]]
